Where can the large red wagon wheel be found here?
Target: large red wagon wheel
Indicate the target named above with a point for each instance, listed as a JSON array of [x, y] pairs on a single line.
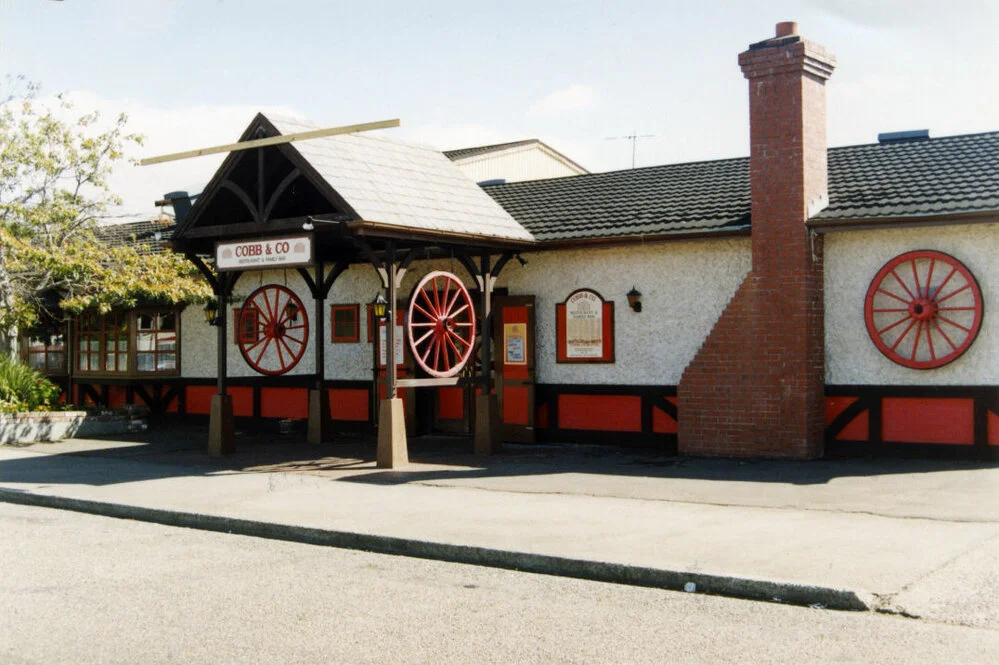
[[441, 324], [273, 329], [923, 309]]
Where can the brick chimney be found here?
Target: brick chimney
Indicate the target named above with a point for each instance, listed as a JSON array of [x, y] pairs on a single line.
[[756, 386]]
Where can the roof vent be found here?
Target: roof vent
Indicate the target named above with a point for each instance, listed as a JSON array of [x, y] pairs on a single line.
[[494, 181], [904, 137]]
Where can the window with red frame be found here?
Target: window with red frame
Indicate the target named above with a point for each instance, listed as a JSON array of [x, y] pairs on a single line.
[[156, 342], [246, 328], [102, 342], [346, 324], [47, 352]]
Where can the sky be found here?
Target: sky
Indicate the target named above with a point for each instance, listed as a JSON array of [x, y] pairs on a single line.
[[192, 73]]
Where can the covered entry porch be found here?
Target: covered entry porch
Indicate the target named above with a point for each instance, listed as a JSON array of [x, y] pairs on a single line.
[[331, 207]]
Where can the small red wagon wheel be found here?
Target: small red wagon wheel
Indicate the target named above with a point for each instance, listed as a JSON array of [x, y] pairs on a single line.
[[273, 329], [441, 324], [923, 309]]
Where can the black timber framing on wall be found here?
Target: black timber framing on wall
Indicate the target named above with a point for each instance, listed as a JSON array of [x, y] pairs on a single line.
[[869, 398]]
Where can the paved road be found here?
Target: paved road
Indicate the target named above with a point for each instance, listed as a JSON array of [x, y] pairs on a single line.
[[86, 589]]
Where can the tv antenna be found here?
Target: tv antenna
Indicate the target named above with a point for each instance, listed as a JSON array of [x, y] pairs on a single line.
[[633, 137]]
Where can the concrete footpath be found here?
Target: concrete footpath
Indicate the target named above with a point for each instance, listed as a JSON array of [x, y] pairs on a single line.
[[919, 538]]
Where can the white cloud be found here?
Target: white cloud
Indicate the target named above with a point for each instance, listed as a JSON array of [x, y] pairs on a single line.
[[165, 131], [574, 98]]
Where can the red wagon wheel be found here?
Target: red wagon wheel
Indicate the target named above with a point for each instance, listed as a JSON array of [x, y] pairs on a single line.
[[273, 329], [923, 309], [441, 324]]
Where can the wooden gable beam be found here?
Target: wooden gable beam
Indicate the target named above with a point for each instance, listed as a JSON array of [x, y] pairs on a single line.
[[272, 140]]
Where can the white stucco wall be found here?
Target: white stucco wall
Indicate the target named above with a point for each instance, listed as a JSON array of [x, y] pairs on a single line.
[[853, 258], [198, 339], [684, 285]]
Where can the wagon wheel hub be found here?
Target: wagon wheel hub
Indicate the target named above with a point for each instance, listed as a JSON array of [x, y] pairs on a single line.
[[923, 309]]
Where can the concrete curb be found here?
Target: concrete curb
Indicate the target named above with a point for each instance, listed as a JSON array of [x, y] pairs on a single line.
[[598, 571]]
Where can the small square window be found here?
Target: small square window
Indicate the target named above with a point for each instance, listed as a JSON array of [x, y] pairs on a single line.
[[345, 327], [246, 325]]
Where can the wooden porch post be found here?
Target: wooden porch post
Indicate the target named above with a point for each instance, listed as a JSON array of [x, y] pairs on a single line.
[[319, 402], [487, 423], [221, 426], [392, 443]]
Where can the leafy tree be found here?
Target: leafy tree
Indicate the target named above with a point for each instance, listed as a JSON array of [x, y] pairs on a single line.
[[53, 191]]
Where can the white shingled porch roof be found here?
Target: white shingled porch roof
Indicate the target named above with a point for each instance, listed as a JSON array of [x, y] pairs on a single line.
[[398, 184]]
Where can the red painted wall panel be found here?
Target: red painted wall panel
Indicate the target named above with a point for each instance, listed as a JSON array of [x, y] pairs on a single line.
[[242, 400], [349, 404], [116, 396], [451, 403], [857, 430], [662, 423], [613, 413], [836, 406], [284, 402], [993, 429], [928, 420], [199, 399], [515, 405]]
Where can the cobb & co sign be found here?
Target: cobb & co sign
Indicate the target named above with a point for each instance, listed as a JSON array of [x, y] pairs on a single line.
[[272, 253]]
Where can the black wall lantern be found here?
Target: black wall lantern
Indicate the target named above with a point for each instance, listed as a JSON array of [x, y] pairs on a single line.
[[379, 305], [212, 312], [635, 299], [291, 312]]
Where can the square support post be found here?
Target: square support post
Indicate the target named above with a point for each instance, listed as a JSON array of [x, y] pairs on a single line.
[[319, 402], [221, 425], [393, 446], [487, 422]]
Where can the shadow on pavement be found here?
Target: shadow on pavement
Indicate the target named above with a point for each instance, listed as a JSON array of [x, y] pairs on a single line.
[[178, 450]]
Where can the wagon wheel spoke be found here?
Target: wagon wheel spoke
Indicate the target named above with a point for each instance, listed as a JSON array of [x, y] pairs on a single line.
[[944, 283], [953, 323], [264, 349], [902, 336], [954, 293], [892, 295], [902, 284], [900, 321], [915, 345], [945, 336]]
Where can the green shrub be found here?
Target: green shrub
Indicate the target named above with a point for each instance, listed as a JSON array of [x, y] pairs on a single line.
[[24, 389]]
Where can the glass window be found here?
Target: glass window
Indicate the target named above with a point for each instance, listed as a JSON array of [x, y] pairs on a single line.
[[246, 328], [102, 343], [346, 323], [47, 352], [156, 342]]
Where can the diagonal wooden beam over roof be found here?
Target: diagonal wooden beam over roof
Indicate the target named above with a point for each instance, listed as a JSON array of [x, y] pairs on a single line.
[[272, 140]]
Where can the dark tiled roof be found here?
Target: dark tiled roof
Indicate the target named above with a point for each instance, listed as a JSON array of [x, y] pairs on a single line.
[[138, 233], [483, 149], [949, 175], [647, 201]]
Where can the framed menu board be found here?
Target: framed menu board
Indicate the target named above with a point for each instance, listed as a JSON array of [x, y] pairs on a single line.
[[585, 328]]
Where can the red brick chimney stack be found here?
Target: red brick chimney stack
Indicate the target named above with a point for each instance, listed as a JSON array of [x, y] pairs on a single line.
[[756, 387]]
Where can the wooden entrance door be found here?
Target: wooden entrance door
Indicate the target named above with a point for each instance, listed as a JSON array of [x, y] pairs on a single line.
[[513, 330]]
